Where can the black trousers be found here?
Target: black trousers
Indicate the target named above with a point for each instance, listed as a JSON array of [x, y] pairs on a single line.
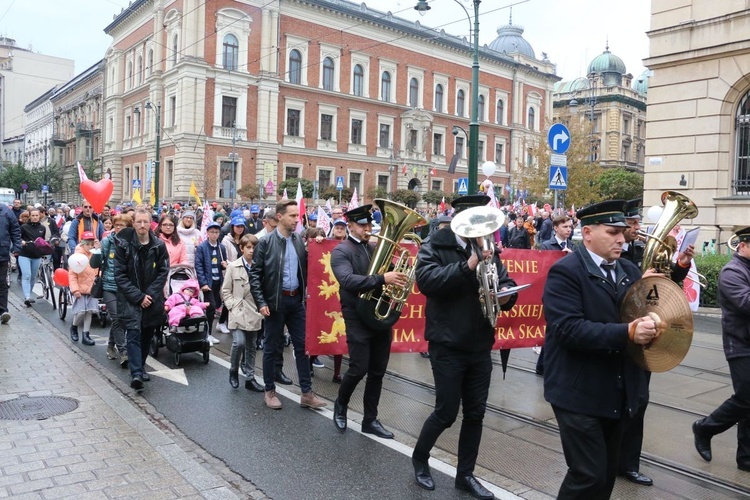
[[369, 351], [632, 438], [735, 410], [591, 446], [461, 378], [4, 286], [214, 299]]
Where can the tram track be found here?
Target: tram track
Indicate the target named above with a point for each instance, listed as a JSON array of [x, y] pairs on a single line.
[[696, 476]]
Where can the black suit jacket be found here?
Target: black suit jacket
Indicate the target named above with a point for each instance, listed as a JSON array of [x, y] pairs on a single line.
[[586, 367], [552, 244]]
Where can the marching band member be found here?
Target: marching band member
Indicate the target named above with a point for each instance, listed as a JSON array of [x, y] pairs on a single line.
[[460, 340]]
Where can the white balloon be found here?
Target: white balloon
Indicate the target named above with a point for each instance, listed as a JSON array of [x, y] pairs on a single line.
[[488, 168], [654, 213], [77, 262]]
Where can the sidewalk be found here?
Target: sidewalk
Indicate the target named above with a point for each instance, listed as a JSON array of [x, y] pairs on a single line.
[[113, 445]]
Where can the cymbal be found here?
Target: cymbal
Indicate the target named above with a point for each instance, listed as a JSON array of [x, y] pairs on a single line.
[[664, 299]]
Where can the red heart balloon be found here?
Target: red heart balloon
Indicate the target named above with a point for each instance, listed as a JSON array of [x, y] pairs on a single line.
[[97, 193]]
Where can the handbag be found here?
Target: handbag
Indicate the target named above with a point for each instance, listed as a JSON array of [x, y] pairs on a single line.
[[97, 288], [43, 246]]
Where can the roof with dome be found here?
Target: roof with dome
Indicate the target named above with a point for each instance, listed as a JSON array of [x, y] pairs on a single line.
[[607, 62]]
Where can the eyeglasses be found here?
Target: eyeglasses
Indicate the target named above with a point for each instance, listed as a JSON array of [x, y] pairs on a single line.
[[87, 206]]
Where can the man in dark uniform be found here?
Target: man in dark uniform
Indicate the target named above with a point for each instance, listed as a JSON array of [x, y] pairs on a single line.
[[734, 299], [632, 438], [460, 341], [590, 381], [369, 349]]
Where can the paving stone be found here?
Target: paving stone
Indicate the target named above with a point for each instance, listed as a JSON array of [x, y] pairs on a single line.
[[30, 486], [72, 490], [48, 472], [9, 479], [23, 467], [72, 478], [39, 455]]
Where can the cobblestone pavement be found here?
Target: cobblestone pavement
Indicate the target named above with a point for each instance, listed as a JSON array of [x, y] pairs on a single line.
[[114, 445]]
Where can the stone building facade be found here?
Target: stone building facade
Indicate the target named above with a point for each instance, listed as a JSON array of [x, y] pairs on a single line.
[[314, 89], [698, 139]]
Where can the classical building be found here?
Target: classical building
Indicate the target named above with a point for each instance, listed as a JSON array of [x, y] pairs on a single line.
[[76, 135], [615, 107], [699, 110], [37, 130], [24, 76], [314, 89]]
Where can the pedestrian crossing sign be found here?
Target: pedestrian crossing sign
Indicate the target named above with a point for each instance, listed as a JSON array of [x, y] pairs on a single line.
[[340, 182], [463, 186], [558, 177]]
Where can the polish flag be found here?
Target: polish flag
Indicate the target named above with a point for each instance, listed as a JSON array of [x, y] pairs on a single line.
[[302, 210], [442, 205], [433, 171], [285, 196], [324, 221], [81, 174], [354, 203], [403, 170]]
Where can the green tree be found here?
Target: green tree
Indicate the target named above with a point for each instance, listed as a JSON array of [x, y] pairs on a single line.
[[619, 183], [92, 170], [333, 193], [291, 187], [406, 197], [51, 175], [253, 191], [14, 176], [434, 196], [376, 192]]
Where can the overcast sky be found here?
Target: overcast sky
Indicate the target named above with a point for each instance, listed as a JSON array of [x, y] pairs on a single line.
[[571, 32]]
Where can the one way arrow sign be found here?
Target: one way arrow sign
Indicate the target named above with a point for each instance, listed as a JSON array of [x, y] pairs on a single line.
[[558, 138]]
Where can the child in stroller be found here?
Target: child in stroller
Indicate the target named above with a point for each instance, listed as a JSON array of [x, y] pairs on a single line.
[[184, 304]]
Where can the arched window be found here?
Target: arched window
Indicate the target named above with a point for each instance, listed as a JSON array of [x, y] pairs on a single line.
[[150, 61], [130, 75], [295, 67], [438, 98], [328, 73], [500, 112], [480, 108], [413, 93], [385, 87], [231, 53], [359, 80], [741, 181], [174, 50], [460, 102], [139, 74], [530, 123]]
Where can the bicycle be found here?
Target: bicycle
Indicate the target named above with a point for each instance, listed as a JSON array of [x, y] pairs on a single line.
[[44, 276]]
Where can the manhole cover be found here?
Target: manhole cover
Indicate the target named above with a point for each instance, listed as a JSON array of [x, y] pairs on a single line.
[[36, 408]]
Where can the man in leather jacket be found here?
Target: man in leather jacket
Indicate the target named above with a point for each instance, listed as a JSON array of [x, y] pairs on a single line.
[[141, 268], [277, 281], [460, 341]]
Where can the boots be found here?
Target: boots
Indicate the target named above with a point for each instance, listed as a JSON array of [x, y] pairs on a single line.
[[234, 379], [74, 333], [86, 340]]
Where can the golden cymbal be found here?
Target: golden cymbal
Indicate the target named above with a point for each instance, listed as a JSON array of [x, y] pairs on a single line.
[[665, 302]]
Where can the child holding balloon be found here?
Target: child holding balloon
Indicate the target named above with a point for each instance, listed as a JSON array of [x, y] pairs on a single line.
[[81, 277]]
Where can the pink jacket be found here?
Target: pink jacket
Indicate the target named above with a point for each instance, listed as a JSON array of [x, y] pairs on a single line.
[[178, 299]]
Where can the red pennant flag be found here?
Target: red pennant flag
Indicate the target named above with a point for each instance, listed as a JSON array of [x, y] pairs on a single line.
[[433, 171], [442, 204], [403, 170]]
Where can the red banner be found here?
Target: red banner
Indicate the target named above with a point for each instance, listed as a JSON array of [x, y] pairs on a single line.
[[522, 326]]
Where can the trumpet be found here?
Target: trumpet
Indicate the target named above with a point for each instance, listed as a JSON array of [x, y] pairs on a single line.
[[482, 222]]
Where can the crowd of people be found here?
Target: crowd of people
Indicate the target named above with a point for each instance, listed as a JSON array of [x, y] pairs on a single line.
[[251, 269]]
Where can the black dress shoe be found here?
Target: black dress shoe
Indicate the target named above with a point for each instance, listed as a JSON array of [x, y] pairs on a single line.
[[376, 428], [474, 487], [86, 339], [422, 474], [702, 442], [146, 377], [636, 477], [339, 416], [252, 385], [137, 383], [234, 379], [283, 379], [744, 466]]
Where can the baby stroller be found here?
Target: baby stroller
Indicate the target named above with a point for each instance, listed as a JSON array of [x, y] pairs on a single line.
[[192, 333]]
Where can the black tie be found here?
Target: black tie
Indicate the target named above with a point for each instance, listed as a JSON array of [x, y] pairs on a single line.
[[609, 270], [563, 244]]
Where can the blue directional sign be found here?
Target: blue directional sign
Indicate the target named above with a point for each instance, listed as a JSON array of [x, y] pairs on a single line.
[[558, 138], [558, 177], [45, 188], [463, 186]]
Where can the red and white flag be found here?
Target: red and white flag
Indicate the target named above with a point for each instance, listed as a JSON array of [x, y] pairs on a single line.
[[328, 206], [81, 174], [324, 222], [302, 210], [285, 196], [442, 205], [403, 170], [208, 217], [354, 203], [433, 171]]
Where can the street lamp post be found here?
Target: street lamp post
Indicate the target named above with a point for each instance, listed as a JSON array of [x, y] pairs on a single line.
[[150, 105], [473, 167]]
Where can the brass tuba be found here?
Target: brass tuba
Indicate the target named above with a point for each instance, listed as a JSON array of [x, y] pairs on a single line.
[[660, 298], [733, 242], [660, 246], [482, 222], [380, 309]]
